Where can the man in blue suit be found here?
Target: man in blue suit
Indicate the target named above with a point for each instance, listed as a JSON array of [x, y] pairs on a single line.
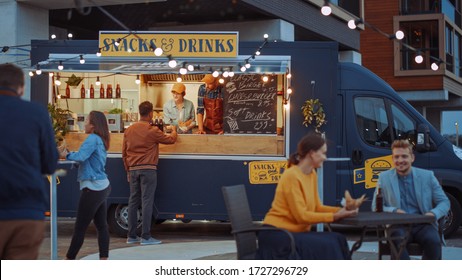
[[408, 189]]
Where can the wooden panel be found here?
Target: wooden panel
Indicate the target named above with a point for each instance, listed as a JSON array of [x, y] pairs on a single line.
[[201, 144]]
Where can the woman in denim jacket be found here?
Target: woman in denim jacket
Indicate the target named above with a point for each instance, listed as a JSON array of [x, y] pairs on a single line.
[[94, 185]]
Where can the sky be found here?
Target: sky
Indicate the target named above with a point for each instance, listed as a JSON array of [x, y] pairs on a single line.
[[448, 122]]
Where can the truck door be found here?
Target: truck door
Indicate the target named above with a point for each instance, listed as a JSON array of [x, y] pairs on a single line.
[[376, 121]]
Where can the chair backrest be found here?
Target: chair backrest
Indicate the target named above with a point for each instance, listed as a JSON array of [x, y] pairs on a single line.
[[240, 217]]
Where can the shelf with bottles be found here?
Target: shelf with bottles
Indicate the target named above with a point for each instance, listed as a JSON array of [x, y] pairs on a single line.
[[86, 105]]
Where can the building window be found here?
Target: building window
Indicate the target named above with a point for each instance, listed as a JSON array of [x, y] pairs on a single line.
[[412, 7], [423, 37], [448, 47]]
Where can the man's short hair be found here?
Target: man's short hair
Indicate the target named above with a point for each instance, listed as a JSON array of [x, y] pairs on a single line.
[[145, 108], [402, 143], [11, 76]]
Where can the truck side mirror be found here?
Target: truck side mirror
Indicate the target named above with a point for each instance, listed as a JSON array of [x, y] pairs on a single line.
[[423, 138]]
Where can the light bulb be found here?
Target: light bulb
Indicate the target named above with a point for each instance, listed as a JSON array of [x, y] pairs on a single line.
[[53, 36], [172, 63], [57, 82], [265, 79], [98, 53], [179, 79], [137, 81], [60, 66], [326, 10], [221, 80], [399, 35], [435, 66], [225, 74], [183, 71], [243, 69], [190, 67], [158, 52], [418, 59], [215, 73], [82, 60], [31, 73], [265, 36], [352, 24]]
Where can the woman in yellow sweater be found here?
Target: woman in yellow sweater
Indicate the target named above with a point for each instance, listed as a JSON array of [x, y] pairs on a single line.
[[296, 207]]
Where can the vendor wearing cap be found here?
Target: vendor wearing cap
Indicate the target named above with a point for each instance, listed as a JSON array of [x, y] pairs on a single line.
[[210, 100], [179, 111]]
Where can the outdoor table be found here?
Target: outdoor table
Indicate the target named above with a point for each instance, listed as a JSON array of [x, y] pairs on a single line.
[[383, 224]]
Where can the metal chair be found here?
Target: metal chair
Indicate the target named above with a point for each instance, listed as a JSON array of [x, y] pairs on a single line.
[[413, 248], [243, 228]]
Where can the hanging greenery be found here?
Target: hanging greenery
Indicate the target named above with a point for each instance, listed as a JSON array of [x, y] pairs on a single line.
[[59, 118], [313, 114]]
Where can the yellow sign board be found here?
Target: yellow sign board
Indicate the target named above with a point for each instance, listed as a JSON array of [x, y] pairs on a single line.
[[181, 44], [373, 167], [266, 172]]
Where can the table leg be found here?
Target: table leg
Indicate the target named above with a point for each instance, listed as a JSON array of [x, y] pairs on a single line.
[[395, 251]]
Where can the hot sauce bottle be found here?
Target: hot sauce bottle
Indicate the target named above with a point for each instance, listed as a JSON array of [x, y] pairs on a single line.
[[82, 92], [92, 91], [109, 91], [101, 91], [118, 91]]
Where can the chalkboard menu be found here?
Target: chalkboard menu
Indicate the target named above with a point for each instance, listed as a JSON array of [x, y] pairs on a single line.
[[250, 105]]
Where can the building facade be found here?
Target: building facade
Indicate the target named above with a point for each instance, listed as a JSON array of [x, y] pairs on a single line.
[[433, 30]]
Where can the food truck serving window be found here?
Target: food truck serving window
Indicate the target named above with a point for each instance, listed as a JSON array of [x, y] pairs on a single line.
[[252, 111]]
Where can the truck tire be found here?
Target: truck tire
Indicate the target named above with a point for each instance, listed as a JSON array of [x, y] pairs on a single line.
[[117, 220], [453, 219]]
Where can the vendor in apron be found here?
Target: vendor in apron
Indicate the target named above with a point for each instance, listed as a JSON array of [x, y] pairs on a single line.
[[210, 102]]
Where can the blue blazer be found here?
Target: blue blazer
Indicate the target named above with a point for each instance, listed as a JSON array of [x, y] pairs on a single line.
[[429, 193]]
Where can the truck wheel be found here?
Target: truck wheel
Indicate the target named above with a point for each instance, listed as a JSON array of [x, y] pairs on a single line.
[[452, 220], [117, 220]]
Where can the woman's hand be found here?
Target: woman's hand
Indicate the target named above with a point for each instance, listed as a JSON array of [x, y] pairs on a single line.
[[344, 213]]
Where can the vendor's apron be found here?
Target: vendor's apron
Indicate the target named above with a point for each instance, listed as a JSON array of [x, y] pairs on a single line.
[[213, 114]]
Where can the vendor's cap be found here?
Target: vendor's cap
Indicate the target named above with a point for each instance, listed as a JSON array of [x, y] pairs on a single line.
[[209, 79], [179, 88]]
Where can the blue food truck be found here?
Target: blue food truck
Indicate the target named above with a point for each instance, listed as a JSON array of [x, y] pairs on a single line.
[[263, 123]]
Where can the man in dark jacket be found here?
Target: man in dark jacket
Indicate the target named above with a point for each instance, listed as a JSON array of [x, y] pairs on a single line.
[[27, 152]]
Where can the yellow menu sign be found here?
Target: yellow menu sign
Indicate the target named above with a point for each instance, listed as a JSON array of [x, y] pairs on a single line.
[[266, 172], [372, 168], [179, 44]]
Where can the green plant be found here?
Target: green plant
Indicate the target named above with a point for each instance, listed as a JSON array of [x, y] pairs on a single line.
[[59, 118], [313, 114], [74, 80], [115, 111]]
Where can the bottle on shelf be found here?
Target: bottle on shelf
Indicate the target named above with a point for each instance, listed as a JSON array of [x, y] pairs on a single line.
[[118, 91], [161, 124], [156, 122], [92, 91], [101, 91], [109, 91], [82, 91], [68, 91], [379, 200]]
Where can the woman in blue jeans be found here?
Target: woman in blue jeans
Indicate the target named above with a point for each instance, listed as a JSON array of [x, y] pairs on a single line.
[[94, 185]]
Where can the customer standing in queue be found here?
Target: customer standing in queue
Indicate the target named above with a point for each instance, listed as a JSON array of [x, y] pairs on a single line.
[[407, 189], [210, 102], [140, 153], [94, 185], [27, 152], [297, 206], [179, 111]]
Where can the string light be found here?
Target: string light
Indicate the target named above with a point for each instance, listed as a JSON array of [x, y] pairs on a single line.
[[60, 66], [326, 10], [179, 79], [98, 53], [38, 71], [53, 36], [70, 36], [190, 67], [82, 60], [117, 42], [137, 81], [183, 69], [418, 58], [215, 73], [98, 82], [158, 52], [171, 62]]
